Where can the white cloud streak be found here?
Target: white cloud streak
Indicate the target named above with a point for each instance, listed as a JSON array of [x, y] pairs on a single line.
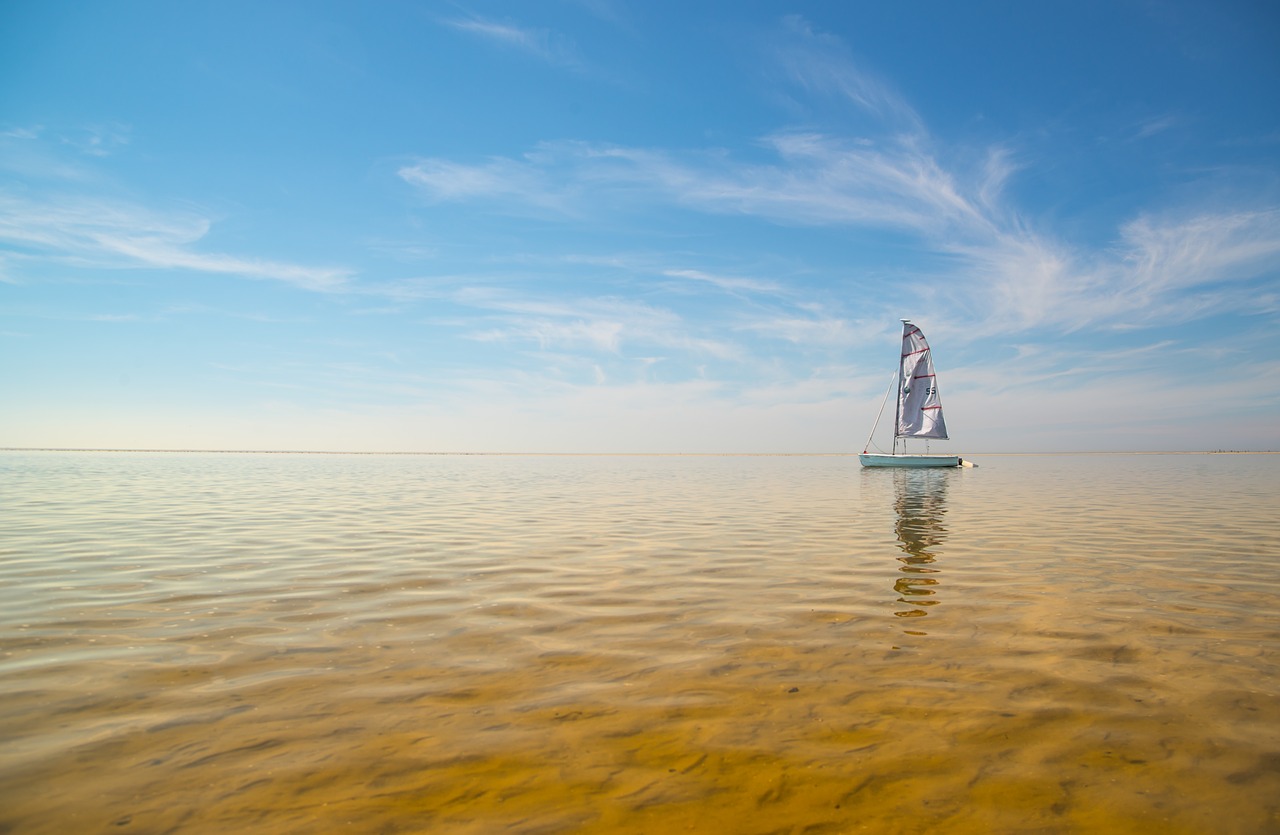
[[541, 43], [1005, 272], [821, 63], [601, 324], [729, 284], [112, 234], [809, 331]]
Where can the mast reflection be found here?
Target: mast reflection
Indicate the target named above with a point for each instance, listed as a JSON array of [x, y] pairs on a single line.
[[920, 501]]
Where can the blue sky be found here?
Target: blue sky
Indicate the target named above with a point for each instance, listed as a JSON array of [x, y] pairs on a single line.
[[608, 226]]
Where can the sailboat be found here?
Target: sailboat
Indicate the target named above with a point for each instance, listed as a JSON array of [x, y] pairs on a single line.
[[919, 409]]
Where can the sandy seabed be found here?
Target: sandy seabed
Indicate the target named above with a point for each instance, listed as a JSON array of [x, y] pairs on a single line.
[[195, 643]]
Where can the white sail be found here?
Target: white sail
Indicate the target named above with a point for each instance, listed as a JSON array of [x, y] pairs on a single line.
[[919, 407]]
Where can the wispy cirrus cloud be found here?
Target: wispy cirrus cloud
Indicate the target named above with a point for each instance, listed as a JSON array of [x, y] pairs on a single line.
[[1163, 254], [815, 329], [610, 325], [1180, 267], [817, 179], [1159, 270], [1007, 269], [820, 63], [543, 44], [23, 132], [730, 284], [99, 140], [113, 234], [1154, 126], [525, 182]]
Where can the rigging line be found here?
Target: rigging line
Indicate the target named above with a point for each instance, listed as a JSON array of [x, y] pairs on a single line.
[[892, 379]]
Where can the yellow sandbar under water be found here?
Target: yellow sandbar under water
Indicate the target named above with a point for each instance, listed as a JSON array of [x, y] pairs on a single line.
[[214, 643]]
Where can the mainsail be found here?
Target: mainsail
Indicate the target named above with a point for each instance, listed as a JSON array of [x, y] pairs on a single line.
[[919, 407]]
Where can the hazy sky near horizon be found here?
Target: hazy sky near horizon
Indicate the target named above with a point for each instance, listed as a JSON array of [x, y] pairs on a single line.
[[624, 226]]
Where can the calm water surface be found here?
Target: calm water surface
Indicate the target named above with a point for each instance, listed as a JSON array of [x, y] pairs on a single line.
[[531, 644]]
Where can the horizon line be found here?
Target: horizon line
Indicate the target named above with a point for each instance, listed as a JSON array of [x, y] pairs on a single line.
[[633, 454]]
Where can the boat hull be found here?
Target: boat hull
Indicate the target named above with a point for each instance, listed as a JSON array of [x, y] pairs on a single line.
[[869, 459]]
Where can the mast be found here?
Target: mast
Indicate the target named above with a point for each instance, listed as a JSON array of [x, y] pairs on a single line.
[[897, 409]]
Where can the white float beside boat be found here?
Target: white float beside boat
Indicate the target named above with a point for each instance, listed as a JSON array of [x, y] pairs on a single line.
[[919, 408]]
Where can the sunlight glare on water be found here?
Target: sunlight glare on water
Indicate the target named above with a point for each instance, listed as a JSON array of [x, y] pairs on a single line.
[[754, 644]]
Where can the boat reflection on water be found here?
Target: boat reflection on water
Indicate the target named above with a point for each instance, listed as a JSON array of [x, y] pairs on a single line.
[[920, 503]]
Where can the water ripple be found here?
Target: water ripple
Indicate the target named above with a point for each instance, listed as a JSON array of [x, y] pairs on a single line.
[[637, 644]]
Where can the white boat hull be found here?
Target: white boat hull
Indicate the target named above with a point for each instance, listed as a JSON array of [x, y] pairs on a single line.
[[870, 459]]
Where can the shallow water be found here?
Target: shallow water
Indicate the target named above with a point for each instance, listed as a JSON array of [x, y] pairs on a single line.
[[755, 644]]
